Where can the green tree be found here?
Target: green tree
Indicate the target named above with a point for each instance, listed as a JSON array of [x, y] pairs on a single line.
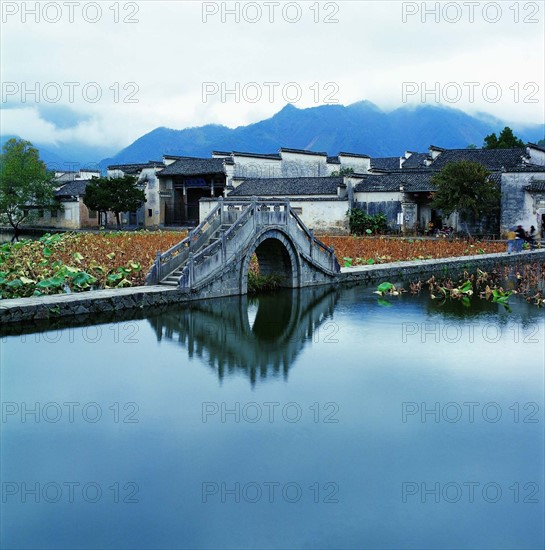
[[115, 195], [541, 142], [26, 185], [506, 140], [343, 172], [465, 187]]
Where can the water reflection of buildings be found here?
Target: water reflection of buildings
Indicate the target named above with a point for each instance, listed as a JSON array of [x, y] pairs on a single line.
[[260, 336]]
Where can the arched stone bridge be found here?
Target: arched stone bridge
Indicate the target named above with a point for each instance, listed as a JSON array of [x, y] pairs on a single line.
[[214, 259]]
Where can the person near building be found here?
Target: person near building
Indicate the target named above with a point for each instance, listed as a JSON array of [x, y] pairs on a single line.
[[431, 227], [531, 238], [520, 237], [510, 240]]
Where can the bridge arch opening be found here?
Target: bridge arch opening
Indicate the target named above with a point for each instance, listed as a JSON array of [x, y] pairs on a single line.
[[276, 256], [274, 259]]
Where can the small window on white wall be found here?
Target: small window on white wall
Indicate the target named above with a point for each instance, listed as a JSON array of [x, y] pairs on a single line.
[[298, 210]]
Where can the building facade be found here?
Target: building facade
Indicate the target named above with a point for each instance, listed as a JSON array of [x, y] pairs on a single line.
[[400, 187], [72, 212], [181, 190]]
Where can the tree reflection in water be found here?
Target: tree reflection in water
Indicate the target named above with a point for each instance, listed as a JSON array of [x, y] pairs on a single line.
[[264, 343]]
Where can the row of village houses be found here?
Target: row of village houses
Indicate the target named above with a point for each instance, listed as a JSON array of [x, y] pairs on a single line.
[[180, 191]]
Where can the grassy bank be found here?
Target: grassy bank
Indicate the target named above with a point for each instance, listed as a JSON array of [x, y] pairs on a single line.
[[68, 262]]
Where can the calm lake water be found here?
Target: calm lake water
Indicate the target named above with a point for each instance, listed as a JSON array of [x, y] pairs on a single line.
[[6, 237], [312, 419]]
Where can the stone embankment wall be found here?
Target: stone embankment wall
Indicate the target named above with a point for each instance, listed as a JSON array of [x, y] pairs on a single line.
[[452, 267], [95, 302], [138, 298]]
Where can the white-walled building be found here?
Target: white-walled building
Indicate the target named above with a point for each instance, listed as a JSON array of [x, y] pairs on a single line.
[[175, 185], [321, 202], [72, 212], [182, 190]]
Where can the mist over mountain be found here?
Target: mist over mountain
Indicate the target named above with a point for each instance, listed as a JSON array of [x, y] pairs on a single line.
[[359, 128]]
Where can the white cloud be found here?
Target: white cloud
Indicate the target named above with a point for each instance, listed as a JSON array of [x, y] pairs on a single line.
[[170, 52]]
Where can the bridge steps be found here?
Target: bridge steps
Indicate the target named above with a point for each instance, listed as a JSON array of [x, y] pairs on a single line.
[[173, 278], [214, 259]]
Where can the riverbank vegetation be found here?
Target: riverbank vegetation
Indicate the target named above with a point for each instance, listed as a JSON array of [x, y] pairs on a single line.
[[262, 283], [354, 251], [69, 262], [496, 285]]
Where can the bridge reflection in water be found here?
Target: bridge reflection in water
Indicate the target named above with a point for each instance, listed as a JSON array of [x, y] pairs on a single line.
[[260, 336]]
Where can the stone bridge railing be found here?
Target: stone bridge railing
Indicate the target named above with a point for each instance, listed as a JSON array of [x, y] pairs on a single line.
[[313, 249], [167, 262], [245, 218]]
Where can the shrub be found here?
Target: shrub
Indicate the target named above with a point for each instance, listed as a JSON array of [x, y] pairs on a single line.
[[362, 223], [262, 283]]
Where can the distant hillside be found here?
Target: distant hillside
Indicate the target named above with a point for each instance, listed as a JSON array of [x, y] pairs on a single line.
[[361, 127]]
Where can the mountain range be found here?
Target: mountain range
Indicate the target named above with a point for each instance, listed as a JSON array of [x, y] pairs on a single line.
[[358, 128]]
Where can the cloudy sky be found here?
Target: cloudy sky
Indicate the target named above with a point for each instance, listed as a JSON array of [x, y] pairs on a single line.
[[104, 73]]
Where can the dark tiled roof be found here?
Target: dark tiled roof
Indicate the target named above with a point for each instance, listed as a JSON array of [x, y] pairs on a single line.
[[301, 152], [412, 182], [189, 166], [221, 153], [536, 185], [492, 159], [526, 168], [495, 177], [354, 155], [66, 176], [75, 188], [385, 163], [299, 198], [274, 156], [416, 160], [133, 168], [536, 146], [288, 186]]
